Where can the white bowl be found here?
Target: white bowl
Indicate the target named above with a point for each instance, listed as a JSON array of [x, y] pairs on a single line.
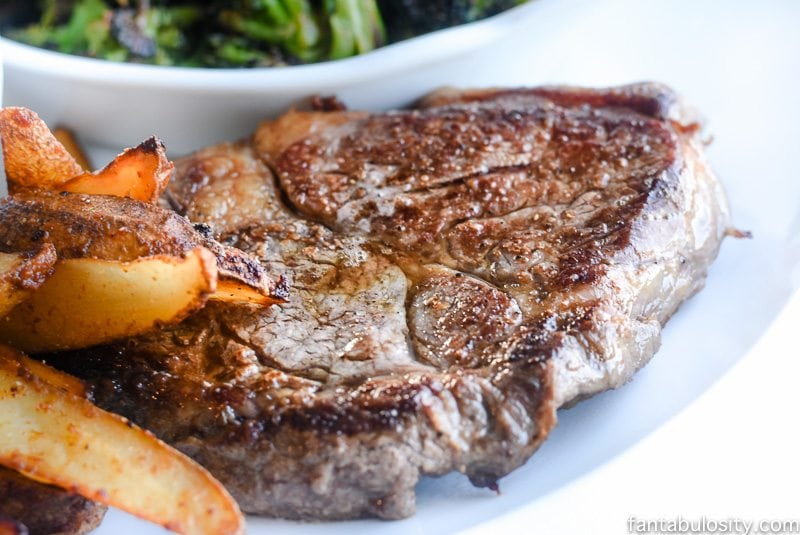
[[117, 104]]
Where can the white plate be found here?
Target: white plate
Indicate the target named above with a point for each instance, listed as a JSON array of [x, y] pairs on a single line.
[[739, 63]]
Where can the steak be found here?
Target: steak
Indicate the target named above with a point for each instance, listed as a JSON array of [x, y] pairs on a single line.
[[458, 272], [44, 510]]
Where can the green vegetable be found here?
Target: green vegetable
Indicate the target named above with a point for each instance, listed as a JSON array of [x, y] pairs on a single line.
[[356, 27], [233, 33], [289, 24], [413, 17]]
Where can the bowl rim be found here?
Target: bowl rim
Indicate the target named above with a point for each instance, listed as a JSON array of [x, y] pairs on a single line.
[[415, 52]]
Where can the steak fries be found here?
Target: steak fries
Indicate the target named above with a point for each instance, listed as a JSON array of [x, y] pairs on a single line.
[[56, 437], [115, 300], [61, 289]]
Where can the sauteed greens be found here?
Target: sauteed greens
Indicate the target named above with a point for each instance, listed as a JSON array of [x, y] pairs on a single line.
[[239, 33]]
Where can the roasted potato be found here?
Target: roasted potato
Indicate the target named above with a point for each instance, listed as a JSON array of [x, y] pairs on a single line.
[[36, 159], [22, 273], [33, 157], [235, 292], [58, 438], [67, 139], [140, 173], [114, 228], [50, 375], [88, 301]]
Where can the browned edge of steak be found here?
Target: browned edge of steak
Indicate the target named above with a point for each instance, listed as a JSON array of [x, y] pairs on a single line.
[[46, 510]]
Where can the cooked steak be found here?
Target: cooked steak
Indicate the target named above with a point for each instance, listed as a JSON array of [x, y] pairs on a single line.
[[45, 510], [458, 272]]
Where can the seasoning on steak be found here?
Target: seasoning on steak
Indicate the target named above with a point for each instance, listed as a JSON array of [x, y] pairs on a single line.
[[40, 509], [458, 272]]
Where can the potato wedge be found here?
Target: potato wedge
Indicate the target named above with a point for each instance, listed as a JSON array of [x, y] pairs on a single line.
[[52, 376], [57, 438], [140, 173], [114, 228], [231, 291], [33, 157], [66, 137], [89, 301], [22, 273], [36, 159]]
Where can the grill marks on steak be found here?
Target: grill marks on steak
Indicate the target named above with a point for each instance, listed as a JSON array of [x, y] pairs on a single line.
[[576, 203], [458, 272], [476, 162]]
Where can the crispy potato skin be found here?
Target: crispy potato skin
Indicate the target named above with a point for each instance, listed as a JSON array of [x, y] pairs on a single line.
[[92, 226], [98, 223], [61, 439], [89, 301], [66, 137], [64, 381], [22, 273], [30, 269], [35, 159], [103, 263], [33, 156], [114, 228], [140, 173]]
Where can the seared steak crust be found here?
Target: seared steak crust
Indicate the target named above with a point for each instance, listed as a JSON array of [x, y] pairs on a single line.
[[46, 510], [458, 272]]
